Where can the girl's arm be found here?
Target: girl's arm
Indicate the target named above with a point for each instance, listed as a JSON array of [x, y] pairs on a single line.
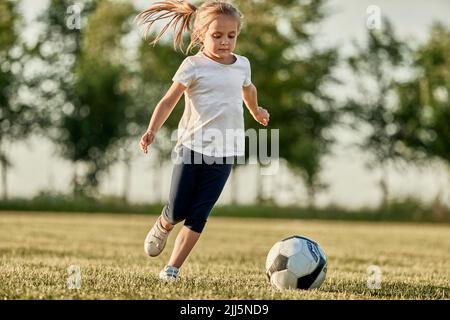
[[162, 111], [250, 97]]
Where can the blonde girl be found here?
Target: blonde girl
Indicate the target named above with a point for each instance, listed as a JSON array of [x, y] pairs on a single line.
[[215, 83]]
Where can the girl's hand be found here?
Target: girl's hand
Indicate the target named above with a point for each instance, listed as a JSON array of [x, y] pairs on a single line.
[[146, 140], [262, 116]]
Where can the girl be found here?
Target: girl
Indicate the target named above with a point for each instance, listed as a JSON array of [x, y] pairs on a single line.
[[215, 82]]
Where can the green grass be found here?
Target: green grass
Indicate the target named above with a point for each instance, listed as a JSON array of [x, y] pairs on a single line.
[[228, 262]]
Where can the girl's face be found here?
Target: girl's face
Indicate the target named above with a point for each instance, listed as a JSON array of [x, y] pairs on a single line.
[[220, 38]]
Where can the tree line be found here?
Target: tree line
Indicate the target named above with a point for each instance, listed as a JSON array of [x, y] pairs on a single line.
[[86, 88]]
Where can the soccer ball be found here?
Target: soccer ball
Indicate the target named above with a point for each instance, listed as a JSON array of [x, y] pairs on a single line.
[[296, 262]]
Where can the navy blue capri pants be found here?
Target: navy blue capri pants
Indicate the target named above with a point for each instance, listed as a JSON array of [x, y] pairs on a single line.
[[197, 182]]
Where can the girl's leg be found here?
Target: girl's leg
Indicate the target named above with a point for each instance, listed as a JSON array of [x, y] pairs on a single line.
[[212, 181], [182, 188], [184, 243]]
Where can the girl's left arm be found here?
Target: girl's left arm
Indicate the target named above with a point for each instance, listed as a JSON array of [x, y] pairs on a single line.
[[250, 97]]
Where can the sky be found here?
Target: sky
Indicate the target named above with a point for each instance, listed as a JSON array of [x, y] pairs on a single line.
[[351, 184]]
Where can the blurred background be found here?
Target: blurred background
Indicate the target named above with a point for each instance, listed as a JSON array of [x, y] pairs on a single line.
[[358, 89]]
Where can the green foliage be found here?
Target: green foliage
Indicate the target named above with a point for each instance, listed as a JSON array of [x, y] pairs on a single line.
[[104, 31], [93, 127], [8, 17], [94, 82], [376, 67], [98, 121], [59, 51], [291, 85], [425, 102], [375, 113], [18, 117], [81, 202], [400, 210]]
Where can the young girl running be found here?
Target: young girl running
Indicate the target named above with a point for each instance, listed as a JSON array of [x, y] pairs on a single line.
[[215, 82]]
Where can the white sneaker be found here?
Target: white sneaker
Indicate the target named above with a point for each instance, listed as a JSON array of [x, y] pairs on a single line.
[[169, 273], [156, 239]]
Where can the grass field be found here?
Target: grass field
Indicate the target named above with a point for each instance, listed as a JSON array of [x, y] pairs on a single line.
[[227, 263]]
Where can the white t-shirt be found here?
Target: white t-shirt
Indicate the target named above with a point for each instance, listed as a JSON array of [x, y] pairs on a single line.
[[213, 118]]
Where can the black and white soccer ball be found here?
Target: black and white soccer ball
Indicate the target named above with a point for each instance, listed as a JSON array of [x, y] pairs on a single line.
[[296, 262]]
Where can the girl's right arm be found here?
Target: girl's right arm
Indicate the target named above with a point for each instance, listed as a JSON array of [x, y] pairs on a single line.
[[162, 111]]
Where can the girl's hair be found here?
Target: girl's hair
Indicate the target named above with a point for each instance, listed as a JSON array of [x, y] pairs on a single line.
[[182, 10]]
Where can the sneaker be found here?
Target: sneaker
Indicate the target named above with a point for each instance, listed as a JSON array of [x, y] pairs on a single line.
[[156, 239], [169, 273]]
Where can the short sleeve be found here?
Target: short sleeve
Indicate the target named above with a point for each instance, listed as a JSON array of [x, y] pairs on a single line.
[[185, 73], [248, 74]]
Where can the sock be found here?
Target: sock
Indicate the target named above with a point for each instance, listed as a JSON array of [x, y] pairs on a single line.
[[162, 227]]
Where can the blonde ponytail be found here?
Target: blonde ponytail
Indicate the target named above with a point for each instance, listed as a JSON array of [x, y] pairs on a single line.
[[178, 10], [182, 10]]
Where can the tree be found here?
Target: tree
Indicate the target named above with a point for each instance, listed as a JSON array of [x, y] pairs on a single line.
[[291, 75], [376, 68], [91, 85], [19, 117], [59, 50], [424, 101], [99, 121]]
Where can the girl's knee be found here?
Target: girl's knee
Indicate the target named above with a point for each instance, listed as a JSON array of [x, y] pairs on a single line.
[[172, 216], [195, 224]]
